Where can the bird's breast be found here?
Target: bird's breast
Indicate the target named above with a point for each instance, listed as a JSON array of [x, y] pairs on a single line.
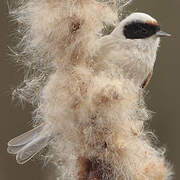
[[129, 64]]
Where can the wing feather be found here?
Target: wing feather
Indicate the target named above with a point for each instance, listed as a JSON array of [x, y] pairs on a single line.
[[147, 80]]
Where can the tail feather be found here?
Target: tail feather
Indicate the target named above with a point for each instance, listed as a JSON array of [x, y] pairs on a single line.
[[31, 149], [26, 137], [14, 149], [28, 144]]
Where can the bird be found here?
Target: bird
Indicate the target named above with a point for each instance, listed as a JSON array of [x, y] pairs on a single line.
[[129, 51]]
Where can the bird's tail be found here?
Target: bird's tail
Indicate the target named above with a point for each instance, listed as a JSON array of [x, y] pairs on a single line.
[[28, 144]]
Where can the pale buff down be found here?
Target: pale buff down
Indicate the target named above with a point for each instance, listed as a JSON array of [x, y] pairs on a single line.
[[96, 119]]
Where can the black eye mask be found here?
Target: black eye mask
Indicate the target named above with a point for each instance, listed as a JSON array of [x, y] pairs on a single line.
[[140, 30]]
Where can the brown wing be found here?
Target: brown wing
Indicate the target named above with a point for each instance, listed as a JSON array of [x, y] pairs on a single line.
[[147, 80]]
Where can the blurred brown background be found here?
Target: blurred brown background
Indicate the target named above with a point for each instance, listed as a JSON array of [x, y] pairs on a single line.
[[163, 98]]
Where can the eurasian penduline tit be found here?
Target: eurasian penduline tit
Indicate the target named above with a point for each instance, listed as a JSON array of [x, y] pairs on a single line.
[[129, 51]]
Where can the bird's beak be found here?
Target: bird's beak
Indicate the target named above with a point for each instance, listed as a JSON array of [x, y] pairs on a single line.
[[162, 34]]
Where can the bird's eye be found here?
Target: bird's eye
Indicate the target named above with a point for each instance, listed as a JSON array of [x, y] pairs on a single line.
[[139, 30]]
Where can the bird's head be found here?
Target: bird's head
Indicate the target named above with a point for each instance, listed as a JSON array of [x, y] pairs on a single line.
[[139, 26]]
